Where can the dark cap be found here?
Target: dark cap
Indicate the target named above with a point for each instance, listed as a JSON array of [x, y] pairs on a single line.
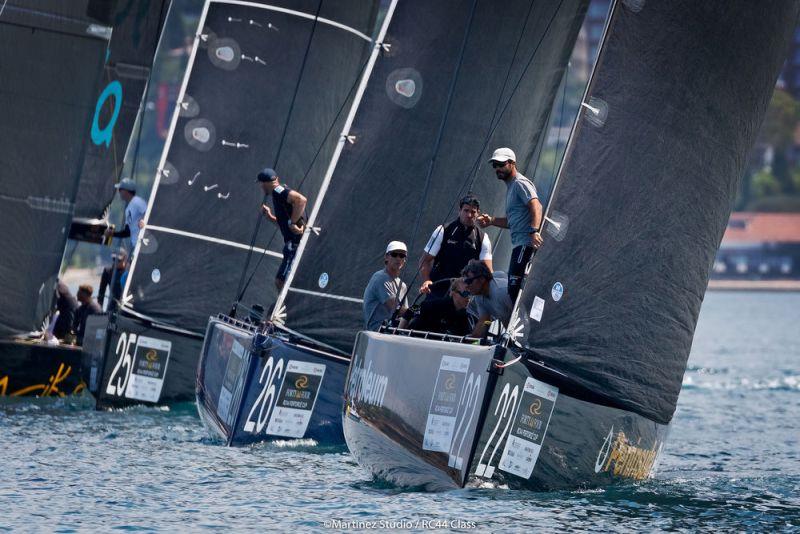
[[126, 184], [267, 175]]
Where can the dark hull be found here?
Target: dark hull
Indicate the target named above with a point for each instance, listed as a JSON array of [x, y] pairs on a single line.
[[128, 361], [444, 415], [254, 387], [37, 370]]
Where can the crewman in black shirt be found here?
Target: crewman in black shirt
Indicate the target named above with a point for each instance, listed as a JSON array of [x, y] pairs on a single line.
[[445, 315], [289, 206], [451, 247]]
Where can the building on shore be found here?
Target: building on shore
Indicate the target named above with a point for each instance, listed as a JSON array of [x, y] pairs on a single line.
[[759, 247]]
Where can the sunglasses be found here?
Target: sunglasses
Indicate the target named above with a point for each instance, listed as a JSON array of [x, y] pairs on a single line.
[[464, 293], [497, 164], [471, 279], [398, 255]]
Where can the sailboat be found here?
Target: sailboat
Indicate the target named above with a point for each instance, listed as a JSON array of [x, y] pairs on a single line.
[[444, 80], [264, 86], [51, 56], [581, 389]]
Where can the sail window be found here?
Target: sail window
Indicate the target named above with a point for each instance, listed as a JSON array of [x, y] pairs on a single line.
[[200, 134], [225, 53], [404, 87]]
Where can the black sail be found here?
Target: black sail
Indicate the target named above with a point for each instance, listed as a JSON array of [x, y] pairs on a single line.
[[645, 191], [136, 28], [264, 77], [450, 70], [51, 57]]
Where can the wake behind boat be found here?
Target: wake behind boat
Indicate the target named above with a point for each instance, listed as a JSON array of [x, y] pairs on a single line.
[[581, 389]]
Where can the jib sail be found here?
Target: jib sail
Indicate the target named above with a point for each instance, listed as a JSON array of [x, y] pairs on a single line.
[[645, 192]]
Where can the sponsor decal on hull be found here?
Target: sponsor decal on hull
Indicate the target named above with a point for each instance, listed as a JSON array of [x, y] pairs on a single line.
[[621, 458], [368, 387], [51, 388]]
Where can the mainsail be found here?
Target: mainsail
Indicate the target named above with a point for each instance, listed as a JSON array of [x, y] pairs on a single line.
[[136, 28], [457, 78], [265, 86], [51, 57], [645, 192]]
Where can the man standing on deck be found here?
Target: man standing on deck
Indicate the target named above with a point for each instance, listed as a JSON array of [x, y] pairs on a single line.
[[385, 288], [451, 247], [289, 206], [116, 273], [135, 208], [523, 216]]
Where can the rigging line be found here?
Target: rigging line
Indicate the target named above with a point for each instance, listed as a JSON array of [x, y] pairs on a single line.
[[337, 152], [494, 116], [443, 123], [475, 166], [297, 85], [167, 145], [242, 288], [313, 160], [3, 7], [162, 19], [567, 148]]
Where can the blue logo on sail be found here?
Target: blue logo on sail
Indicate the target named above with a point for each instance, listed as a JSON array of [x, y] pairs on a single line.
[[104, 135]]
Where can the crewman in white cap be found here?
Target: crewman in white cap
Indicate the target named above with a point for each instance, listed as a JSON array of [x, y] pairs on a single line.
[[135, 208], [523, 216], [385, 288]]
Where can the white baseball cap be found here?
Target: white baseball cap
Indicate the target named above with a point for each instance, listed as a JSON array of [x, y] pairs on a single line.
[[396, 245], [503, 154]]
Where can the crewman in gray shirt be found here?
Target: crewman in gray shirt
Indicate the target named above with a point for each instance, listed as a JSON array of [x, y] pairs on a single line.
[[385, 288], [490, 300], [523, 216]]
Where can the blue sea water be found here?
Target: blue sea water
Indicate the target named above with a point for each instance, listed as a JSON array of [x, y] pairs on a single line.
[[732, 461]]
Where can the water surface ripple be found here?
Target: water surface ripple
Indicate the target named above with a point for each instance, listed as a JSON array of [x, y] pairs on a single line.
[[731, 461]]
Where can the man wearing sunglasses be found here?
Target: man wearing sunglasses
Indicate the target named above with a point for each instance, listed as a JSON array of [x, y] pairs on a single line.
[[447, 315], [490, 300], [451, 247], [523, 216], [385, 287]]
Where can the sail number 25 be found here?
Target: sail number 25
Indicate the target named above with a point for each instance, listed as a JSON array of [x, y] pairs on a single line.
[[117, 384]]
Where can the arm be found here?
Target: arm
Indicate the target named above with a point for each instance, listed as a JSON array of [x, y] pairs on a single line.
[[486, 252], [101, 293], [125, 232], [481, 326], [535, 208], [484, 219], [298, 203], [425, 268], [268, 213]]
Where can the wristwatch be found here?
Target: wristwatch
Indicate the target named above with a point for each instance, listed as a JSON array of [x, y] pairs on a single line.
[[532, 230]]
